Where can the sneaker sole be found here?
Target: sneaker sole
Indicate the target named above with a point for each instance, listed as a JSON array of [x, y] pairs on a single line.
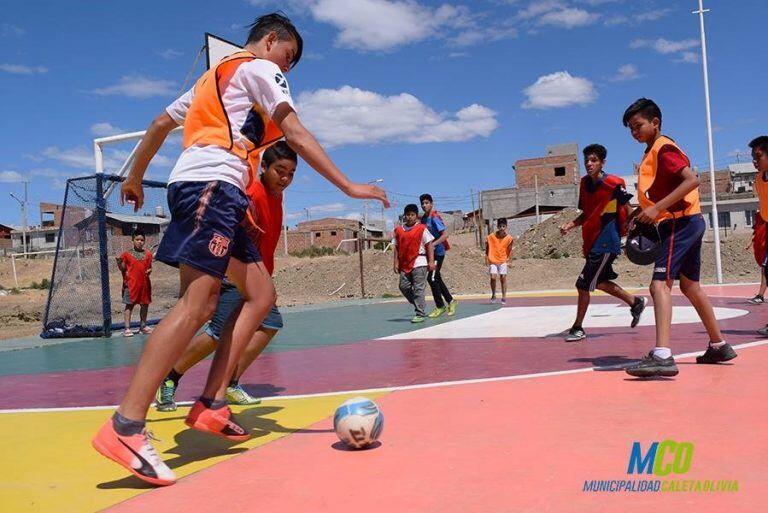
[[648, 373], [575, 339], [730, 357], [172, 407], [108, 454], [205, 429]]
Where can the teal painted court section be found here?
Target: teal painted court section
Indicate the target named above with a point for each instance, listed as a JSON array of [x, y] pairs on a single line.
[[304, 328]]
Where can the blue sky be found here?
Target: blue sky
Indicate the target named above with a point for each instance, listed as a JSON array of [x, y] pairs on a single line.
[[437, 97]]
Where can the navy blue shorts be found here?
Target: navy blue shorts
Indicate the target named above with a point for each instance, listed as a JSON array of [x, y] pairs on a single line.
[[205, 228], [597, 269], [680, 251], [229, 303]]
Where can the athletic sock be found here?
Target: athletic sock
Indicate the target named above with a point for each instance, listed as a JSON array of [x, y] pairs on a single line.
[[662, 352], [234, 383], [717, 345], [127, 427], [213, 404], [175, 377]]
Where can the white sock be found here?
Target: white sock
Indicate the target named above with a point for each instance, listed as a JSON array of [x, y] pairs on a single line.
[[717, 345], [662, 352]]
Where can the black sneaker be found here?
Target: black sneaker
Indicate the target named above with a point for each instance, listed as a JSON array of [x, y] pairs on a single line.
[[637, 310], [717, 354], [763, 331], [651, 366], [757, 300], [575, 334]]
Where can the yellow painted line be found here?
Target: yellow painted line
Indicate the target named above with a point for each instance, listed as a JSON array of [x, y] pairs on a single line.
[[50, 465]]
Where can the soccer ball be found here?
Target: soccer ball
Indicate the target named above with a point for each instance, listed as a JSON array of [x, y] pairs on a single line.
[[358, 422]]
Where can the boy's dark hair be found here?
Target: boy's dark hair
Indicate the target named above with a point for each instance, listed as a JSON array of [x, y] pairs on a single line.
[[760, 143], [278, 151], [138, 232], [276, 22], [645, 107], [426, 196], [596, 149], [411, 207], [501, 221]]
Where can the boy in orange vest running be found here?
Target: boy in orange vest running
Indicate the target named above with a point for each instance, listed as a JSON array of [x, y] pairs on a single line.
[[136, 266], [414, 258], [498, 249], [668, 192], [759, 148], [604, 205], [239, 107]]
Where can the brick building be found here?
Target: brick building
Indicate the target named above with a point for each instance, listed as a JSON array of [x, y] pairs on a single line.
[[559, 167], [326, 232]]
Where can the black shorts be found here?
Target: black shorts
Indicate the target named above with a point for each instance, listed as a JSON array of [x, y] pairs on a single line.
[[597, 269]]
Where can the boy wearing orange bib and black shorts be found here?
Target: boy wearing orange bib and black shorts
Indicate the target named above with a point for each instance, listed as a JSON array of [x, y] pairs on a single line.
[[759, 148], [668, 192], [239, 107]]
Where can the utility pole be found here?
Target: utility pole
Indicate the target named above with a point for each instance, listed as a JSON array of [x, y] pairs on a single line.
[[715, 220], [474, 217], [365, 211], [23, 206], [536, 189]]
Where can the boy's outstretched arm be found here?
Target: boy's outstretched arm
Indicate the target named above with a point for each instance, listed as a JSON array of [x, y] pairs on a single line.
[[156, 134], [689, 183], [305, 144]]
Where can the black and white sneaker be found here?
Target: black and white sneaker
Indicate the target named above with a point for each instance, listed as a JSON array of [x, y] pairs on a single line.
[[717, 354], [575, 334], [637, 310], [763, 331], [651, 366], [757, 300]]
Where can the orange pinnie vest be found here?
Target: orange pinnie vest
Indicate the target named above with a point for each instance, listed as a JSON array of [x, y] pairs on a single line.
[[408, 245], [761, 190], [207, 121], [647, 175]]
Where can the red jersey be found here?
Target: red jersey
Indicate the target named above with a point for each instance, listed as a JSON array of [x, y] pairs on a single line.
[[135, 278], [268, 212], [670, 163], [408, 244]]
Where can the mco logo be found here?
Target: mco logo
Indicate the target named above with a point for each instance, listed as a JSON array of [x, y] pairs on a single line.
[[661, 458]]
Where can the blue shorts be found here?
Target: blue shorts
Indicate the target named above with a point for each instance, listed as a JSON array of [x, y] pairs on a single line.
[[205, 228], [680, 251], [597, 269], [229, 303]]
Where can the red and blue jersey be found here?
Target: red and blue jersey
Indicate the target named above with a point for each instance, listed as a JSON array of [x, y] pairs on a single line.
[[605, 217]]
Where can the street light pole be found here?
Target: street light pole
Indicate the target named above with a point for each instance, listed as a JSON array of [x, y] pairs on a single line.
[[23, 205], [715, 220], [365, 210]]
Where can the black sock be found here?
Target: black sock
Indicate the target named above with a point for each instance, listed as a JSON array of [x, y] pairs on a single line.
[[126, 427], [213, 404], [175, 377], [234, 382]]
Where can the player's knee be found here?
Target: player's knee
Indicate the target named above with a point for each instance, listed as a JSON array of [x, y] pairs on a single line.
[[688, 287]]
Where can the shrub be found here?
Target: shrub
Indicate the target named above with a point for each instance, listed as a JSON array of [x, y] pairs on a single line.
[[314, 251]]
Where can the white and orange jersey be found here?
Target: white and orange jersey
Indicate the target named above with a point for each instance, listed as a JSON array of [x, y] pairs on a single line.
[[227, 118]]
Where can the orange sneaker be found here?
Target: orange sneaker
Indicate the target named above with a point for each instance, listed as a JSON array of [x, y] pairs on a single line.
[[135, 453], [216, 422]]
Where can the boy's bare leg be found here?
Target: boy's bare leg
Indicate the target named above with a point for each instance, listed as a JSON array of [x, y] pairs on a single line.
[[661, 292], [254, 348], [581, 306], [493, 285], [170, 338], [761, 292], [143, 311], [127, 315], [503, 278], [255, 285], [700, 301], [613, 289], [200, 347]]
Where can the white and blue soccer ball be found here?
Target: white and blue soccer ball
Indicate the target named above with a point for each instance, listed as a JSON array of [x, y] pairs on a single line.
[[358, 422]]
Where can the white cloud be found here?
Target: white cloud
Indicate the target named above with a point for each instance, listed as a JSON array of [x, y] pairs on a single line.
[[105, 129], [616, 19], [293, 216], [664, 46], [568, 18], [384, 24], [626, 73], [169, 54], [20, 69], [652, 15], [81, 157], [559, 89], [355, 216], [135, 86], [354, 116], [8, 30], [328, 207], [10, 177], [536, 9], [689, 57]]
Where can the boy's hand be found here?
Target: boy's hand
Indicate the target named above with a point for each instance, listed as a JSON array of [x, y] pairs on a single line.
[[132, 192], [567, 227], [431, 266], [367, 191], [647, 216]]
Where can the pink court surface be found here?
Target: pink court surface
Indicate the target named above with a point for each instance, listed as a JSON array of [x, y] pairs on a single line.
[[489, 411]]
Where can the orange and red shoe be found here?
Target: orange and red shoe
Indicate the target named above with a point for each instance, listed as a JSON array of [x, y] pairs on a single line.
[[216, 422], [135, 453]]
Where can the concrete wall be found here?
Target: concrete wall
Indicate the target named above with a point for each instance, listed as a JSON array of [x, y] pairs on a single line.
[[509, 202], [738, 213]]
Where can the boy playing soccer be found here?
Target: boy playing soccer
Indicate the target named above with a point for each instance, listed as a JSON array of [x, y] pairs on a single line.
[[436, 227], [759, 148], [239, 107], [668, 192], [278, 165], [498, 249], [414, 258], [604, 205], [136, 266]]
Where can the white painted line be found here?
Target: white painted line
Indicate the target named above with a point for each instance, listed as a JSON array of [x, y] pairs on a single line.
[[745, 345]]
